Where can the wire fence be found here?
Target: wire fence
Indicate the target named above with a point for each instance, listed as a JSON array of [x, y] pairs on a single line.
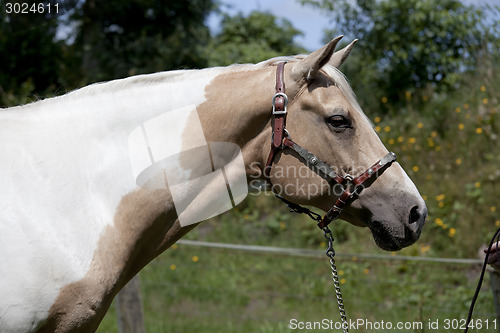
[[318, 254]]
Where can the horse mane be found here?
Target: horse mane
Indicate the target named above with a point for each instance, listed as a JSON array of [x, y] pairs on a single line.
[[131, 81], [332, 72]]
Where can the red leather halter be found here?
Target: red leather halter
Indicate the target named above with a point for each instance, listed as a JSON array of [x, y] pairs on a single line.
[[351, 187]]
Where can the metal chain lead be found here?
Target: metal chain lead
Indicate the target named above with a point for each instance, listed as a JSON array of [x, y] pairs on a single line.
[[330, 253]]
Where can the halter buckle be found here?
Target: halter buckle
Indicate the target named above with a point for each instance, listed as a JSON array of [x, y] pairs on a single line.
[[285, 99]]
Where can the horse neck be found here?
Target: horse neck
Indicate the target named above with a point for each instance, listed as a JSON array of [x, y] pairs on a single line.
[[81, 144], [236, 109]]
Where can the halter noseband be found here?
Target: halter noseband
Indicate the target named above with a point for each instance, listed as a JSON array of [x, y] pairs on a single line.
[[351, 187]]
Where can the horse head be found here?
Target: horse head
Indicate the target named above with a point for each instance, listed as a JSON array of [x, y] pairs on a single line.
[[325, 118]]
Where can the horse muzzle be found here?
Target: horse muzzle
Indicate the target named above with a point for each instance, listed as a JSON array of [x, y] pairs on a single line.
[[397, 231]]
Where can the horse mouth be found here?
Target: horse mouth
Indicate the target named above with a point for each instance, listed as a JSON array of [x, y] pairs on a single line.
[[386, 240]]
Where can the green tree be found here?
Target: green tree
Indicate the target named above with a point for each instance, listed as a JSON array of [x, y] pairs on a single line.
[[110, 39], [253, 38], [30, 56], [118, 38], [407, 45]]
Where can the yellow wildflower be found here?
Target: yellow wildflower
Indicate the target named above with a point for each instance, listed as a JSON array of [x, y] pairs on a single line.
[[440, 197], [425, 248]]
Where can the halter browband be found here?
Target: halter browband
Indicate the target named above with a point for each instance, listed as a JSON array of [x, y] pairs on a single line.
[[351, 187]]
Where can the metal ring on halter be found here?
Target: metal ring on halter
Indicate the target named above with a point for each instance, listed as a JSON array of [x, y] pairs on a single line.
[[285, 98], [285, 131]]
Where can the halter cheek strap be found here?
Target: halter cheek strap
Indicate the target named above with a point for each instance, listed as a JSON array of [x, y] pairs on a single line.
[[280, 102], [351, 187]]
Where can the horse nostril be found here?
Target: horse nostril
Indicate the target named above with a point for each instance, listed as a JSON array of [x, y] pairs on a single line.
[[414, 215]]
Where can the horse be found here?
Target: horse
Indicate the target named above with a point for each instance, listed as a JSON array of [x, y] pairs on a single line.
[[85, 202]]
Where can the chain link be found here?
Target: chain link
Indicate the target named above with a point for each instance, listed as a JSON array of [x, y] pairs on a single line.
[[330, 253]]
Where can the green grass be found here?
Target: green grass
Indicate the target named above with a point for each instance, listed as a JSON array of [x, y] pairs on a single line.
[[236, 291]]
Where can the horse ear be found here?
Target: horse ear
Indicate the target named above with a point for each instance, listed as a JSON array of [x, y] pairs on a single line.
[[310, 65], [340, 56]]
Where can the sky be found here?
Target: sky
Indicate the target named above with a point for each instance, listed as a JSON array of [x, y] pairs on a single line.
[[312, 22]]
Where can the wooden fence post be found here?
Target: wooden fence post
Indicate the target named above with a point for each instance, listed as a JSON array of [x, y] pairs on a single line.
[[129, 311], [495, 289]]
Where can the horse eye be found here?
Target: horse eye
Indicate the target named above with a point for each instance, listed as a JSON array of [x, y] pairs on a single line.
[[339, 122]]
